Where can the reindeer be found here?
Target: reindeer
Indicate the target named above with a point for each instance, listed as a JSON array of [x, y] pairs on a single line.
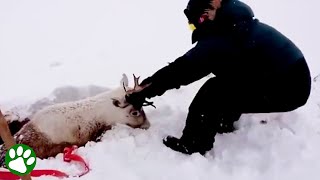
[[55, 127]]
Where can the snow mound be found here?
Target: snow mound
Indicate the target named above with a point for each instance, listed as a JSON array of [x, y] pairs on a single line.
[[285, 147]]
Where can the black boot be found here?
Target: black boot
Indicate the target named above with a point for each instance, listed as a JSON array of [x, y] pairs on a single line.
[[186, 146], [206, 117], [198, 134], [177, 145]]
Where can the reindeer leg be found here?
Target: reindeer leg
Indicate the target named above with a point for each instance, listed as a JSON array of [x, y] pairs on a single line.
[[15, 126], [3, 152], [6, 137], [8, 140], [98, 132]]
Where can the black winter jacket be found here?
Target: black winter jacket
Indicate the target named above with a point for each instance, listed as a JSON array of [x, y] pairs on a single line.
[[235, 47]]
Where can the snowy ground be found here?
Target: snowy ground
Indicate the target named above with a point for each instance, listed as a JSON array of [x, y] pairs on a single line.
[[75, 44], [285, 148]]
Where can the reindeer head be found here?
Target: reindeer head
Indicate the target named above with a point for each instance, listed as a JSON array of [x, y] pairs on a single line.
[[125, 112]]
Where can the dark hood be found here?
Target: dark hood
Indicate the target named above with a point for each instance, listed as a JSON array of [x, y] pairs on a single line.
[[232, 16]]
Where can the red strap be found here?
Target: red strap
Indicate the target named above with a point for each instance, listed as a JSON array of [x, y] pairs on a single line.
[[68, 156]]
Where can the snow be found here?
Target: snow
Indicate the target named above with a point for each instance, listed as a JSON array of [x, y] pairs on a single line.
[[56, 51]]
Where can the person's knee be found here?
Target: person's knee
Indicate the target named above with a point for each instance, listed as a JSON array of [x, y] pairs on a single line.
[[301, 97], [301, 101], [205, 95], [295, 103]]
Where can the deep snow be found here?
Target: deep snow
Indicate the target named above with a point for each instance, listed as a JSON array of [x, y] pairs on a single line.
[[285, 148], [79, 48]]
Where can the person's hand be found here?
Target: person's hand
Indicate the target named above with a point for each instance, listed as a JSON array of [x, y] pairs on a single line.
[[137, 99], [137, 96]]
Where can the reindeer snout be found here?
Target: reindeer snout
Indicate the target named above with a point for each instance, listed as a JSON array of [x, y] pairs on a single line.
[[140, 119]]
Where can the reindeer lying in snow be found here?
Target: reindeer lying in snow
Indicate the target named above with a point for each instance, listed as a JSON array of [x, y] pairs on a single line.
[[55, 127]]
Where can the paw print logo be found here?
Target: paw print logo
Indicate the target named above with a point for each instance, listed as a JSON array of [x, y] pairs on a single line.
[[20, 159]]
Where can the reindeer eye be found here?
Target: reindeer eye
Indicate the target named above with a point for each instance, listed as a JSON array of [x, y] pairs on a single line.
[[135, 113]]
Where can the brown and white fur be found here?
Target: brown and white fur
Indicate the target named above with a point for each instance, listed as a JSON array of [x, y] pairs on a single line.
[[55, 127]]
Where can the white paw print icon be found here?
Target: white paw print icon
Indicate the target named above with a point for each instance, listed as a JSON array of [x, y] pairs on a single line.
[[21, 159]]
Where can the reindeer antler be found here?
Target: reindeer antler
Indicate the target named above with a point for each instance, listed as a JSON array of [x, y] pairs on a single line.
[[136, 81], [124, 87], [137, 88]]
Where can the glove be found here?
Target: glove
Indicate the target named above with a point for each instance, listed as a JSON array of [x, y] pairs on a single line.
[[137, 99]]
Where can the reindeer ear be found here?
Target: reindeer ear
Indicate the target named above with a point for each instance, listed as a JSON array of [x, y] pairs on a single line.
[[124, 81], [115, 102]]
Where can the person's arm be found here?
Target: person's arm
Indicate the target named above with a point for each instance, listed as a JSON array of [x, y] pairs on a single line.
[[210, 55], [192, 66]]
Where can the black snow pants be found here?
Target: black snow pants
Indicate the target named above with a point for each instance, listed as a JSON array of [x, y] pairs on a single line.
[[219, 103]]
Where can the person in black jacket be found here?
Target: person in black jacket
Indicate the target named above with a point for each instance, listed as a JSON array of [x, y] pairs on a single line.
[[257, 70]]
